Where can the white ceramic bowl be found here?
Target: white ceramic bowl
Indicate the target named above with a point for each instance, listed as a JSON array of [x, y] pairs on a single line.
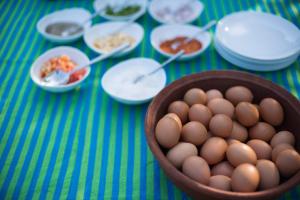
[[157, 5], [130, 69], [258, 36], [76, 15], [167, 32], [76, 55], [100, 30], [99, 4]]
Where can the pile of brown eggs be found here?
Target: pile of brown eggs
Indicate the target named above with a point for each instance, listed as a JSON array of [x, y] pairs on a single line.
[[228, 143]]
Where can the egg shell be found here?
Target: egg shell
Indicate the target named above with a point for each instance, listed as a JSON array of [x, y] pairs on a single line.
[[181, 109], [238, 132], [269, 174], [221, 125], [271, 111], [262, 149], [245, 178], [194, 132], [213, 94], [176, 118], [220, 182], [232, 141], [221, 106], [167, 131], [288, 162], [238, 94], [262, 131], [213, 150], [239, 153], [197, 169], [200, 113], [195, 96], [247, 114], [281, 137], [223, 168], [180, 152], [279, 148]]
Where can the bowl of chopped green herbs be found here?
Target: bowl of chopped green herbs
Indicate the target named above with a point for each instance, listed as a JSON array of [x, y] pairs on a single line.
[[123, 10]]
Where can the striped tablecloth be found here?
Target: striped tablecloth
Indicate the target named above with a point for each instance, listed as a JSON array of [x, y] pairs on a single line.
[[82, 144]]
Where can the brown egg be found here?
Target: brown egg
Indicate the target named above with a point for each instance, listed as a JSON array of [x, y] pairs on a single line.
[[288, 162], [269, 174], [180, 152], [213, 150], [262, 131], [220, 125], [281, 137], [167, 131], [279, 148], [213, 94], [239, 94], [221, 106], [238, 132], [271, 111], [194, 132], [262, 149], [232, 141], [247, 114], [200, 113], [181, 109], [174, 117], [195, 96], [223, 168], [220, 182], [239, 153], [197, 169], [245, 178]]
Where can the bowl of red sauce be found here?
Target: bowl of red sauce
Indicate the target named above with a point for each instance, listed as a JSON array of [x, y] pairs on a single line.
[[60, 58], [170, 39]]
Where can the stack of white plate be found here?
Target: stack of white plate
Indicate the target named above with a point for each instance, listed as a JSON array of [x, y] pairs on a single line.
[[257, 41]]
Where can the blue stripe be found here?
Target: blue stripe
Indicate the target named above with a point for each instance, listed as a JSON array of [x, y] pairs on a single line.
[[130, 154], [105, 148], [42, 153], [143, 158]]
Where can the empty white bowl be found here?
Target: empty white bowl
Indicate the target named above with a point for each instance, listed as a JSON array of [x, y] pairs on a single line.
[[99, 4], [77, 15], [117, 82], [101, 30], [76, 55], [167, 32], [157, 5]]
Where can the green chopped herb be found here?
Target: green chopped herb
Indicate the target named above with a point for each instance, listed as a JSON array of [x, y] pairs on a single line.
[[128, 10]]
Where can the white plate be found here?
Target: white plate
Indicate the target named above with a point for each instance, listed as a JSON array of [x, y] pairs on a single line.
[[156, 6], [77, 15], [76, 55], [257, 35], [100, 30], [131, 69], [99, 4], [251, 65], [167, 32]]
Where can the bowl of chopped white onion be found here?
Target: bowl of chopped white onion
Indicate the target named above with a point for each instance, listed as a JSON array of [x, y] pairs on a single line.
[[103, 38]]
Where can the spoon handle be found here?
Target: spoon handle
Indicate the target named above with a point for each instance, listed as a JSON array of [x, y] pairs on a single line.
[[203, 29], [101, 57], [129, 22]]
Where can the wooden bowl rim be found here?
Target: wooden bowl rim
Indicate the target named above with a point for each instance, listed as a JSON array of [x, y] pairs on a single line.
[[176, 174]]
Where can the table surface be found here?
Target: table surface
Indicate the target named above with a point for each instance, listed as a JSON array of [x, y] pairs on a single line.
[[82, 144]]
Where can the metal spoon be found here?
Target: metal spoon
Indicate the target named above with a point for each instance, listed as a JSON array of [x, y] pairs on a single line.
[[140, 77], [59, 77], [187, 40]]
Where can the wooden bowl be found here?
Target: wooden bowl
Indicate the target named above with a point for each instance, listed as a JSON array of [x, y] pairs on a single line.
[[221, 80]]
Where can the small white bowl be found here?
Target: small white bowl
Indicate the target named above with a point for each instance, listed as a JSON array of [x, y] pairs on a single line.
[[100, 30], [76, 55], [130, 69], [77, 15], [157, 5], [167, 32], [99, 4]]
